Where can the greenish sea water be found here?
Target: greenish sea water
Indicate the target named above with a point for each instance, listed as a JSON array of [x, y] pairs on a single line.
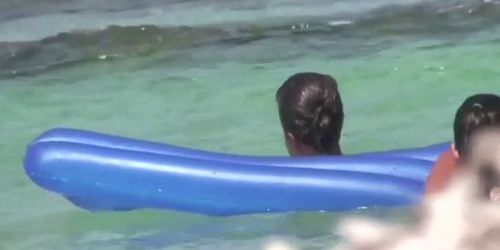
[[402, 71]]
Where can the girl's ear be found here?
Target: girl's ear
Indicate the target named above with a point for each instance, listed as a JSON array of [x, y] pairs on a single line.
[[454, 150], [291, 144]]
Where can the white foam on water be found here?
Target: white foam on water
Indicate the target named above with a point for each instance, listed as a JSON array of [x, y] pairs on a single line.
[[192, 13]]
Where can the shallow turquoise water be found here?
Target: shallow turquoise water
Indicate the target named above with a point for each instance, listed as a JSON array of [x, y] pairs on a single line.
[[402, 75]]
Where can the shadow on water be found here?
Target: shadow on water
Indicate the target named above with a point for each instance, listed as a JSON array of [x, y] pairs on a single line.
[[173, 229]]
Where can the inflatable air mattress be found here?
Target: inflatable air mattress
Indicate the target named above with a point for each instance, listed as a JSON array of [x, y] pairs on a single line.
[[103, 172]]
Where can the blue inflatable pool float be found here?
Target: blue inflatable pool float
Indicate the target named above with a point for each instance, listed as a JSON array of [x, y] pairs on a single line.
[[102, 172]]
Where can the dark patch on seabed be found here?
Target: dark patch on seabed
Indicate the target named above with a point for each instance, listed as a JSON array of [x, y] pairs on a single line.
[[353, 35]]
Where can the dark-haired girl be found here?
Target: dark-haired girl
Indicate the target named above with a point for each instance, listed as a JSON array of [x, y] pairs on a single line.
[[311, 114]]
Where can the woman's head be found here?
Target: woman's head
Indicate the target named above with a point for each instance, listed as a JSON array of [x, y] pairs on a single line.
[[311, 114], [475, 114]]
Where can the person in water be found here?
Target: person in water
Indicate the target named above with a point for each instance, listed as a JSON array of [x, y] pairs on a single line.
[[475, 114], [311, 114]]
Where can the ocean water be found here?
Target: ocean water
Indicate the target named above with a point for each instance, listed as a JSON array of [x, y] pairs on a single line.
[[203, 74]]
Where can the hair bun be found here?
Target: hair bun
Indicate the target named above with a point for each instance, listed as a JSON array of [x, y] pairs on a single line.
[[477, 105], [479, 112], [321, 118], [323, 123]]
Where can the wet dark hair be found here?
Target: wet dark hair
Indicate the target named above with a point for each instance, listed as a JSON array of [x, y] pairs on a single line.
[[311, 109], [476, 113]]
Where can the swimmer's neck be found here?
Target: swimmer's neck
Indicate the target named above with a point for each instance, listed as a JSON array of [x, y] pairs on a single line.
[[309, 151]]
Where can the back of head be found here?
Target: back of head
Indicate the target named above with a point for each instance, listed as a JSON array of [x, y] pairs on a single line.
[[478, 112], [311, 110]]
